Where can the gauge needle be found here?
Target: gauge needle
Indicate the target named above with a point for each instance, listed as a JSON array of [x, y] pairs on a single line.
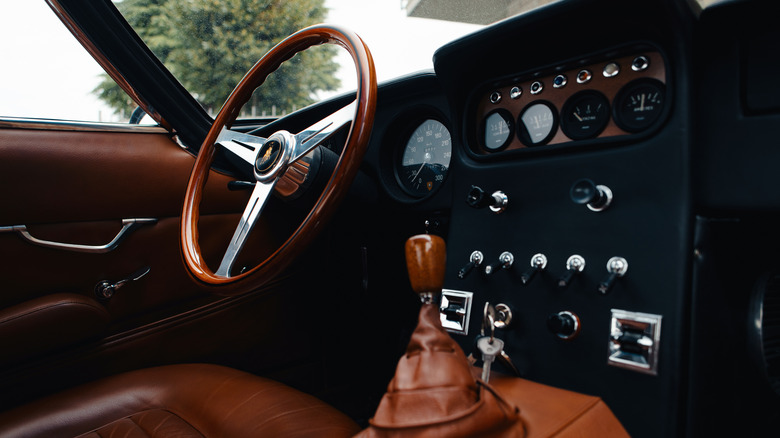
[[642, 103], [418, 171], [577, 116]]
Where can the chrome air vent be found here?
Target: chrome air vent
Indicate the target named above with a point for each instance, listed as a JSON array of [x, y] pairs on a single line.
[[764, 328]]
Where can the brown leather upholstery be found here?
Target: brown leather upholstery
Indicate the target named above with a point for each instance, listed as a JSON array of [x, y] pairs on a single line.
[[179, 400], [548, 411], [25, 329], [433, 393]]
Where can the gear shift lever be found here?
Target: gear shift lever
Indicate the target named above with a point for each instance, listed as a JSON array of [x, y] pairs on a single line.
[[425, 260]]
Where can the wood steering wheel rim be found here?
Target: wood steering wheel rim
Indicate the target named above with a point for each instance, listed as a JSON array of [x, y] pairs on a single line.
[[336, 187]]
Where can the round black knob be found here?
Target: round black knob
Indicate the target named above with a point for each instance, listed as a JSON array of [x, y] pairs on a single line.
[[477, 198], [565, 325], [584, 191]]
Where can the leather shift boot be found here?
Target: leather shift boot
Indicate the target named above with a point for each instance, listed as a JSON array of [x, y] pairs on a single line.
[[434, 394]]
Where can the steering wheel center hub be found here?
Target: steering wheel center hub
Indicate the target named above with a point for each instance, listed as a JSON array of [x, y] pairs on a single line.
[[268, 156]]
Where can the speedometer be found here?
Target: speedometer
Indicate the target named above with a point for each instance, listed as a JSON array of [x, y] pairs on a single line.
[[425, 159]]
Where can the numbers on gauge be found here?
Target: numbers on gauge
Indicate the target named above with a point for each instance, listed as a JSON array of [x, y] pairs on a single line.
[[425, 159], [497, 130], [537, 123]]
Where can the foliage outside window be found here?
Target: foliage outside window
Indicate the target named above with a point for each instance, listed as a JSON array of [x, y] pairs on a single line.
[[209, 45]]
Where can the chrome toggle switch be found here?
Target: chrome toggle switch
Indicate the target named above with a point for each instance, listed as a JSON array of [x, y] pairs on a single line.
[[616, 268], [538, 263], [505, 261], [475, 260], [574, 265]]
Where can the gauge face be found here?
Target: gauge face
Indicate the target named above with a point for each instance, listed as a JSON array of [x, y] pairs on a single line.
[[585, 115], [497, 129], [639, 104], [537, 123], [425, 159]]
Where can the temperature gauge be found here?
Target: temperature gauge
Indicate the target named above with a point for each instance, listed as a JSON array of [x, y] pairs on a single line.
[[537, 123], [497, 130], [639, 104], [585, 115]]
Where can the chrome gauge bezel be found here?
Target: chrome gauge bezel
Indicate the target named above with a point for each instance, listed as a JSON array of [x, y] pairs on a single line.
[[402, 147]]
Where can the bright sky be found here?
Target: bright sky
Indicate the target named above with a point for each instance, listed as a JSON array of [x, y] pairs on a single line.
[[47, 74]]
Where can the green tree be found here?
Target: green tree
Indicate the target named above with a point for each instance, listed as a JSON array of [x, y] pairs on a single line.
[[210, 44]]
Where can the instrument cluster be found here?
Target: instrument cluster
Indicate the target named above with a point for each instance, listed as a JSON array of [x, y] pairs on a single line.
[[582, 101]]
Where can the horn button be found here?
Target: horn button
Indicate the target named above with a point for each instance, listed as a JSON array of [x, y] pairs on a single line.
[[268, 156]]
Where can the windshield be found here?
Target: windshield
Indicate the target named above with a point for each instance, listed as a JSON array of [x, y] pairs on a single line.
[[209, 45]]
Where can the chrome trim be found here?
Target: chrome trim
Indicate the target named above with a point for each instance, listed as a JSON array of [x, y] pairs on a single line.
[[254, 207], [618, 266], [315, 134], [576, 328], [647, 328], [575, 263], [495, 97], [539, 261], [584, 76], [75, 125], [127, 226], [611, 70], [515, 92], [500, 201], [537, 87], [461, 326], [604, 200], [560, 81], [640, 63]]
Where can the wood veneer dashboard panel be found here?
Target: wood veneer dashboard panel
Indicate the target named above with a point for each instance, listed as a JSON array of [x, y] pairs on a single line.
[[557, 97]]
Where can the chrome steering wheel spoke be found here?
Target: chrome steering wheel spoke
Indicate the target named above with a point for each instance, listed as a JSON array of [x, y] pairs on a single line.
[[244, 146], [315, 134], [254, 207]]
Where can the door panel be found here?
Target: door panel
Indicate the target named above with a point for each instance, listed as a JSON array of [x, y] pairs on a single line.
[[76, 187]]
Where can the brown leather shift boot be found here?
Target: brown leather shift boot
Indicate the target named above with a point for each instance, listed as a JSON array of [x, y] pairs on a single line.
[[434, 394]]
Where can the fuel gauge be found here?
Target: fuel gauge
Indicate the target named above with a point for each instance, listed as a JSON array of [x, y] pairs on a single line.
[[585, 115]]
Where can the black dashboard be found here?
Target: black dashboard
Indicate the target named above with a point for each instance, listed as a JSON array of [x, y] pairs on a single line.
[[583, 155]]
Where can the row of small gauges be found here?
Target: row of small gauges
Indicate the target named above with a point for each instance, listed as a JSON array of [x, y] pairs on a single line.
[[602, 100]]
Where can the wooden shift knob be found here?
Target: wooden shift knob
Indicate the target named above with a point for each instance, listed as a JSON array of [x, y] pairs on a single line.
[[425, 260]]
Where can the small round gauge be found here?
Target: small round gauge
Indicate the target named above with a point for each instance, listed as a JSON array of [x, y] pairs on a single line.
[[425, 159], [585, 115], [639, 104], [537, 123], [497, 130]]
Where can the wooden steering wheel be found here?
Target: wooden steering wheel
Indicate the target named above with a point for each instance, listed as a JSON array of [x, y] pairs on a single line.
[[271, 158]]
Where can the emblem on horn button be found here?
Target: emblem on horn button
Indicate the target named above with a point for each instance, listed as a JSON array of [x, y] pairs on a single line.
[[268, 156]]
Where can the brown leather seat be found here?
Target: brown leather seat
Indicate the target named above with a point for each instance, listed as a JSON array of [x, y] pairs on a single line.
[[181, 401]]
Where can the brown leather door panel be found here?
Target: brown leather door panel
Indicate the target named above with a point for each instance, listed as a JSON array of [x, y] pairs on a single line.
[[76, 187]]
